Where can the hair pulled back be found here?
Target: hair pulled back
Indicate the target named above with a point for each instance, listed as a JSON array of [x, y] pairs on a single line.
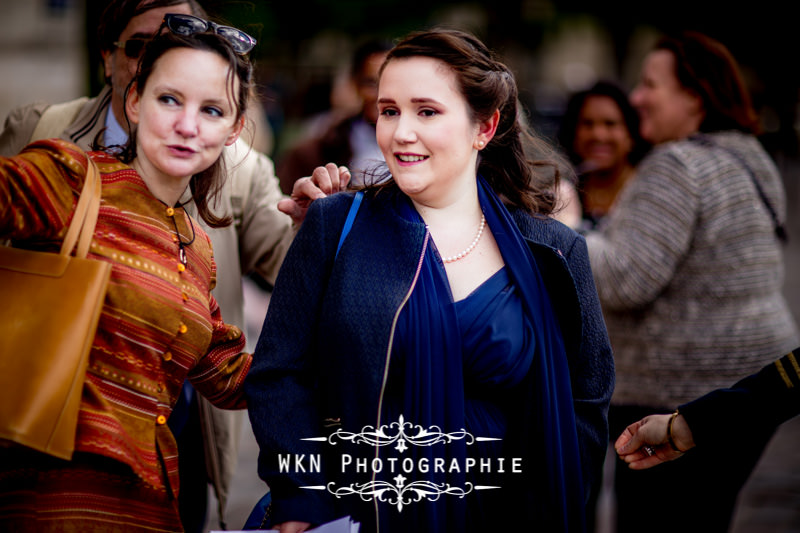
[[488, 85]]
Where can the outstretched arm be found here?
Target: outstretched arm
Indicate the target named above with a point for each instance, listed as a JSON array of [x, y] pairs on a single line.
[[758, 403], [645, 443]]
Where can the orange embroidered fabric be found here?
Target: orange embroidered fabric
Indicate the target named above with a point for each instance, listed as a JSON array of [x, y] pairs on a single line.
[[160, 323]]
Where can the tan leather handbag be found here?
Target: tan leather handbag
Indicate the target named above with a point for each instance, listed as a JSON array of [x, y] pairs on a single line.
[[49, 309]]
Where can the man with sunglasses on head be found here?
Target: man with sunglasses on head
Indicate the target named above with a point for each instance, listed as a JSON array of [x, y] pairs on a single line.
[[256, 242]]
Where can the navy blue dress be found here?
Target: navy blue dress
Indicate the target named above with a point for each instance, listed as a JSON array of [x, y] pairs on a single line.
[[464, 390], [457, 370]]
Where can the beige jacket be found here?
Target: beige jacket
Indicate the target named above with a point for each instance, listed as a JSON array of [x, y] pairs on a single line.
[[256, 241]]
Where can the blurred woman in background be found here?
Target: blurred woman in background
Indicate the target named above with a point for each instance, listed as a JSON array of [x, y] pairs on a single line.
[[689, 269], [600, 134]]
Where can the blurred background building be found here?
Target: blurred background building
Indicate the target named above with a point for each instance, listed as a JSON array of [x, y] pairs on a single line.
[[555, 47]]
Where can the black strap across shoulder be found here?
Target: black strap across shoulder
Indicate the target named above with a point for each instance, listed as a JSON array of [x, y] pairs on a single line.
[[780, 228]]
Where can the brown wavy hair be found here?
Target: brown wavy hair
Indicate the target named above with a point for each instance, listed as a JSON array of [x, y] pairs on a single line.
[[706, 67], [514, 161]]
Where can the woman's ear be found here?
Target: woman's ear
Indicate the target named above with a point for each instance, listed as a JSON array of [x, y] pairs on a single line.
[[237, 129], [486, 130], [132, 101], [698, 106]]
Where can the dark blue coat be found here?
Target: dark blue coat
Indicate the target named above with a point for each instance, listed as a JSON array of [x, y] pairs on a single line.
[[321, 358]]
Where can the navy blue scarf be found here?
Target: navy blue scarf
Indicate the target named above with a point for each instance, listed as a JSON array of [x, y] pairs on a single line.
[[427, 385], [552, 388]]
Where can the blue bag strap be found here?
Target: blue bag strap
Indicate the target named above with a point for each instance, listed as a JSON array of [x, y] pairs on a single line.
[[348, 223]]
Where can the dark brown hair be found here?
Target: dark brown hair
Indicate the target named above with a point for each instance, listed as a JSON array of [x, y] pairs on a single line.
[[488, 85], [364, 52], [572, 116], [207, 184], [118, 14], [705, 67]]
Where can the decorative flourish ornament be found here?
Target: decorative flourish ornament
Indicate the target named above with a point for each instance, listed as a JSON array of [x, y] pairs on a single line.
[[403, 491]]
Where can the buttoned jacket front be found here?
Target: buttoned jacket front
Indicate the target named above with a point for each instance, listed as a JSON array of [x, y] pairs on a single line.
[[256, 241], [159, 324]]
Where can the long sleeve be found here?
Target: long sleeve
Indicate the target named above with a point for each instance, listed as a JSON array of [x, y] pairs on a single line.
[[281, 385], [18, 128], [756, 404], [265, 233], [219, 375], [593, 378], [590, 359], [641, 243], [592, 371], [38, 191]]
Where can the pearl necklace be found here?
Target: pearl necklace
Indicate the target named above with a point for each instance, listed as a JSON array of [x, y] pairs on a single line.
[[462, 255]]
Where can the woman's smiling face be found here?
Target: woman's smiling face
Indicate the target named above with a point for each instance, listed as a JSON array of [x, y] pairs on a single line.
[[667, 110], [425, 129], [602, 139]]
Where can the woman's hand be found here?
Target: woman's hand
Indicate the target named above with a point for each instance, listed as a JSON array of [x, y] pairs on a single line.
[[322, 182], [292, 527], [644, 444]]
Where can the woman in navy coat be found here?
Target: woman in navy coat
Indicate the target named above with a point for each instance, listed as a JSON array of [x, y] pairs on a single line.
[[448, 368]]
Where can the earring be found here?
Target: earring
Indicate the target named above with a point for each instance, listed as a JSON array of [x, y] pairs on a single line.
[[480, 144]]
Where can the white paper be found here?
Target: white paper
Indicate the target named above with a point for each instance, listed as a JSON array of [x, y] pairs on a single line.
[[341, 525]]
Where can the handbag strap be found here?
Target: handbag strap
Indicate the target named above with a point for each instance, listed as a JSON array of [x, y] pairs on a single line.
[[780, 227], [348, 223], [81, 228]]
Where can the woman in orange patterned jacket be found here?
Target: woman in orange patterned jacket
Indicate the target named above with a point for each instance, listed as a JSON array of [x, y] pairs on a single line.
[[160, 324]]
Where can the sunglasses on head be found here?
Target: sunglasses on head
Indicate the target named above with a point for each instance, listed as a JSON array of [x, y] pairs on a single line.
[[189, 25]]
